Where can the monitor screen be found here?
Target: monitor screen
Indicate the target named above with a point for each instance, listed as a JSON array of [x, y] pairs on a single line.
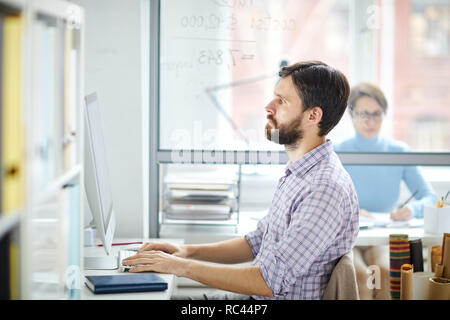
[[95, 137]]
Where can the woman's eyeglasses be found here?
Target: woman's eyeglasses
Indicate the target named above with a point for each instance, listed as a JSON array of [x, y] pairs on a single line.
[[366, 116]]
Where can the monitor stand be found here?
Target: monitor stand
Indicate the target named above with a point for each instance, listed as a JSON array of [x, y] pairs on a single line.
[[101, 263]]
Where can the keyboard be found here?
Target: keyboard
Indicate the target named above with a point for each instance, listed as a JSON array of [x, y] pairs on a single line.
[[123, 254]]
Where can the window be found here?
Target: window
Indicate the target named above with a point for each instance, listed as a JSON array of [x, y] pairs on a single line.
[[215, 66], [421, 75], [219, 62]]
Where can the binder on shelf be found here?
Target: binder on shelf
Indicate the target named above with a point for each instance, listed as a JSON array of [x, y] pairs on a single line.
[[63, 246], [43, 101], [74, 240], [40, 74], [4, 267], [43, 260], [12, 138], [1, 114], [70, 101], [13, 135], [55, 64], [59, 99], [47, 102], [56, 243]]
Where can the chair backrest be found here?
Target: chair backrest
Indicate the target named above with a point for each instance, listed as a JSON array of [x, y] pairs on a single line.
[[342, 284]]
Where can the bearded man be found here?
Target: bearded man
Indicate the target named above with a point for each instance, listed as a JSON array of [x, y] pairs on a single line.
[[313, 218]]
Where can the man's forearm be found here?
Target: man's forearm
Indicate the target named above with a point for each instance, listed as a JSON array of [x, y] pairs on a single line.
[[228, 251], [240, 279]]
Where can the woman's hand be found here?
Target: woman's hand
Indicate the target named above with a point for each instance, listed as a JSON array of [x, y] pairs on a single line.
[[366, 213], [402, 214]]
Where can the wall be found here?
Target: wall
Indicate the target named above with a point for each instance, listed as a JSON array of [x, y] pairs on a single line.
[[112, 68]]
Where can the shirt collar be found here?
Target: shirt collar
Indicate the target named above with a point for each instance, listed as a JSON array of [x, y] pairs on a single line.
[[302, 165]]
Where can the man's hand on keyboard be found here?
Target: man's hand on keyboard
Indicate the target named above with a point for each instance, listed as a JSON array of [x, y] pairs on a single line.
[[156, 261], [170, 248]]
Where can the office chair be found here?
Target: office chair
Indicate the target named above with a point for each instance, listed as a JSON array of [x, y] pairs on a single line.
[[342, 284]]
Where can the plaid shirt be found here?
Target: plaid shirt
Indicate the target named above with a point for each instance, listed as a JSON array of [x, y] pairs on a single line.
[[312, 221]]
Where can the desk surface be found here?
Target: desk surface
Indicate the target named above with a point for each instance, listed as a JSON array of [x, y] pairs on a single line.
[[87, 294], [380, 236], [372, 236]]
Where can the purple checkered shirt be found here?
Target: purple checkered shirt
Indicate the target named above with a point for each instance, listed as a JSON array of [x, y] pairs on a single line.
[[312, 222]]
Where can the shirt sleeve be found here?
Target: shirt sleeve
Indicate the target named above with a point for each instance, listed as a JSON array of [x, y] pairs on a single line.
[[314, 226], [255, 237], [425, 195]]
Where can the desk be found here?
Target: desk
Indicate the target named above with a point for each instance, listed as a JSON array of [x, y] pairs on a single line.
[[380, 236], [372, 236], [87, 294]]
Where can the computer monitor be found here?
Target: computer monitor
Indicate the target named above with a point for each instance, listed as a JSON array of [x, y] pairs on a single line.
[[97, 185]]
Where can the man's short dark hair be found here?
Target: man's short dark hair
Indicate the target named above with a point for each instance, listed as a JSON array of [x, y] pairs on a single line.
[[323, 86]]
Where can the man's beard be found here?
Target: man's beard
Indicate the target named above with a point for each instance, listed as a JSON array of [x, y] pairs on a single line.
[[289, 134]]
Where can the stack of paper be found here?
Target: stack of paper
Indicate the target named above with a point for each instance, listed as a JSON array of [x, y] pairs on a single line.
[[199, 201], [383, 220]]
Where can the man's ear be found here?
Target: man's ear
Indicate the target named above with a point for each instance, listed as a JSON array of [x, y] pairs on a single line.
[[315, 115]]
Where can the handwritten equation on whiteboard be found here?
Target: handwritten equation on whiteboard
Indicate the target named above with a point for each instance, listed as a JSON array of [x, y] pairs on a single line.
[[220, 33], [216, 21]]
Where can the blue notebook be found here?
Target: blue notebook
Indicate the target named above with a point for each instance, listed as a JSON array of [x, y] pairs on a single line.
[[140, 282]]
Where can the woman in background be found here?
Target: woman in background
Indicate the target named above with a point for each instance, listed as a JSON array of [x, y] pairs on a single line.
[[378, 187]]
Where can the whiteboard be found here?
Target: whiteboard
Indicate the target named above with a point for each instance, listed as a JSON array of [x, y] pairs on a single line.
[[219, 61]]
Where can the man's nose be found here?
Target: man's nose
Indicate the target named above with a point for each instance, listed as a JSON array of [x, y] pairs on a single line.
[[270, 108]]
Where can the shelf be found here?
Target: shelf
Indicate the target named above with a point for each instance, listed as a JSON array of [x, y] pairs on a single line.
[[69, 177], [227, 222], [48, 34], [231, 222], [8, 222], [11, 6]]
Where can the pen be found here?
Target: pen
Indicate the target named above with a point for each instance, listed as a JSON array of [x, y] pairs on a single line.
[[121, 243], [442, 204], [409, 199]]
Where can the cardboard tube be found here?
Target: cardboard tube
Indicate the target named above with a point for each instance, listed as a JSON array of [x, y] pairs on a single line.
[[446, 256], [436, 254], [444, 236], [420, 285], [438, 270], [438, 289], [406, 282]]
